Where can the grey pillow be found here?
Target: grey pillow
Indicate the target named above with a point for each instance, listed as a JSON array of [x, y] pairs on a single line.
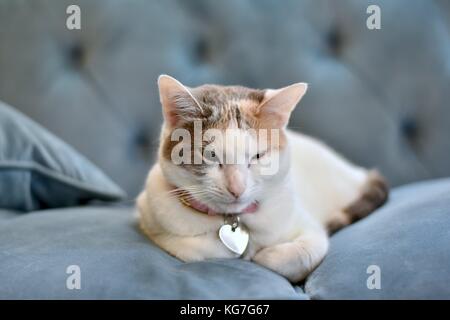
[[408, 240], [116, 262], [38, 170]]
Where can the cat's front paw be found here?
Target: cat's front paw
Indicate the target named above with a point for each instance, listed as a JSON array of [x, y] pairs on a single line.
[[190, 254], [287, 259], [188, 257]]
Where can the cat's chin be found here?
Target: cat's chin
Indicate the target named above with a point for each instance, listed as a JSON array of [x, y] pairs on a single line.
[[236, 208]]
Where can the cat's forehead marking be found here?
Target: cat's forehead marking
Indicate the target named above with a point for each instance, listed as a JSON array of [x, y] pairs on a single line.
[[227, 104]]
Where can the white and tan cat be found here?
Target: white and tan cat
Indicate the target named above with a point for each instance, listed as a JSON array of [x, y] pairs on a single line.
[[287, 214]]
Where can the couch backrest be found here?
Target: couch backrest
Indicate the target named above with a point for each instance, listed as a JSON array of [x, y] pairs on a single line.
[[380, 97]]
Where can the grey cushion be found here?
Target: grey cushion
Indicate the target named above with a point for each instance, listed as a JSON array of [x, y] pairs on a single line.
[[116, 262], [379, 97], [407, 239], [38, 170], [7, 214]]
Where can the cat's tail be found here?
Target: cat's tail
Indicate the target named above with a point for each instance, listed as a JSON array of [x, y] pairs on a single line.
[[374, 194]]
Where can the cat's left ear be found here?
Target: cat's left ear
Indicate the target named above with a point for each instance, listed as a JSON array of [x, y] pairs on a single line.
[[275, 110], [178, 103]]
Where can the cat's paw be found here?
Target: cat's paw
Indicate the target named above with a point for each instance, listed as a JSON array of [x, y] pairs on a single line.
[[188, 256], [204, 253], [288, 259]]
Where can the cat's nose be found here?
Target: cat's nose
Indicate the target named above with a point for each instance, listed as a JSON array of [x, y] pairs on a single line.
[[234, 192], [235, 181]]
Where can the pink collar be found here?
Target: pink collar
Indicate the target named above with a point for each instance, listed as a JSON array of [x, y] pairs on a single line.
[[184, 198]]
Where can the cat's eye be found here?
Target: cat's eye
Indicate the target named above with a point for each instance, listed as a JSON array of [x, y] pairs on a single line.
[[259, 155], [211, 158]]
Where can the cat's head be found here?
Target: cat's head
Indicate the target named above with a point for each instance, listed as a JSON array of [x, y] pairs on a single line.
[[225, 147]]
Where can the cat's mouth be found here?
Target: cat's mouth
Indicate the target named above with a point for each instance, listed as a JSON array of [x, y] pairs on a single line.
[[235, 207], [238, 207]]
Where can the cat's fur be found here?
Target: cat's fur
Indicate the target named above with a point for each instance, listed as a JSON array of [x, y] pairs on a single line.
[[315, 190]]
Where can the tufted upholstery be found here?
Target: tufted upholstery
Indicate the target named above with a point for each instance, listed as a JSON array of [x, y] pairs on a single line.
[[380, 97]]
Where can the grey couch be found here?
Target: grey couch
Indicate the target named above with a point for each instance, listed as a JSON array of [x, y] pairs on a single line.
[[380, 97]]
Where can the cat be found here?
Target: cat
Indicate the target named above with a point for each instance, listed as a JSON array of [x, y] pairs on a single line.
[[288, 214]]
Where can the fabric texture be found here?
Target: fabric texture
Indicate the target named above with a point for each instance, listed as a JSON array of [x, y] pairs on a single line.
[[38, 170], [116, 262], [407, 240]]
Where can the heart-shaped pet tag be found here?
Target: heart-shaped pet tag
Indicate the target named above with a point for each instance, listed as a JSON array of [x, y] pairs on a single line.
[[236, 240]]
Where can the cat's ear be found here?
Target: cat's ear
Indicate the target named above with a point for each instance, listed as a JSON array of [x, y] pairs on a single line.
[[177, 101], [275, 110]]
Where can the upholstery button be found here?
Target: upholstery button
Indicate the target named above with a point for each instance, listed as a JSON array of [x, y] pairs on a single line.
[[334, 41], [141, 141], [202, 52], [409, 128], [76, 55]]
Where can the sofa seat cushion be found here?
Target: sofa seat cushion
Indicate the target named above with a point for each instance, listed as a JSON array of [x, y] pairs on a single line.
[[407, 240], [399, 252], [115, 262]]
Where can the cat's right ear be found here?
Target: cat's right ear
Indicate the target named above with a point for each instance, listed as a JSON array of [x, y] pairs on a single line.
[[178, 103]]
